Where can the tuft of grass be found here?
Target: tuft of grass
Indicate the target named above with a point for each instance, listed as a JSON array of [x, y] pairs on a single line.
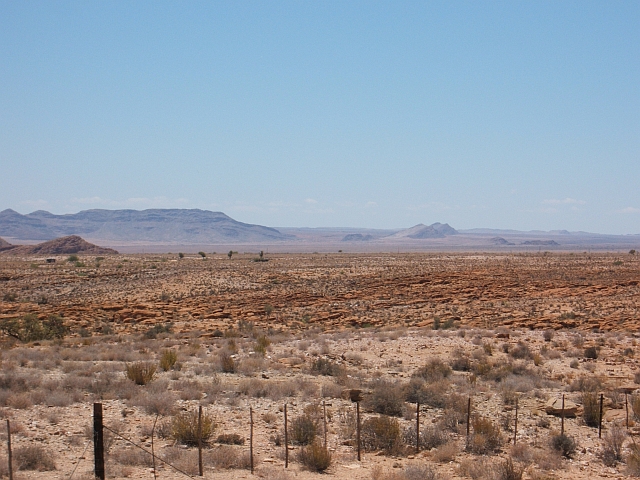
[[168, 359], [141, 373], [227, 363]]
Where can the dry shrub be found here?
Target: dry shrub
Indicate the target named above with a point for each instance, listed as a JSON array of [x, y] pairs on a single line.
[[331, 390], [33, 457], [168, 359], [226, 457], [184, 428], [420, 472], [387, 398], [485, 438], [508, 470], [303, 430], [633, 460], [253, 387], [473, 468], [547, 459], [323, 366], [155, 403], [446, 453], [434, 370], [611, 452], [381, 433], [520, 351], [430, 437], [227, 363], [315, 457], [132, 457], [591, 408], [563, 444], [635, 406], [230, 439], [141, 373]]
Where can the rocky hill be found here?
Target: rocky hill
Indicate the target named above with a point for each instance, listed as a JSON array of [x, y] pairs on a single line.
[[61, 246], [168, 226], [4, 245], [421, 231]]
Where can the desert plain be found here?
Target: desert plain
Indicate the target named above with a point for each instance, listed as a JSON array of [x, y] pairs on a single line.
[[507, 333]]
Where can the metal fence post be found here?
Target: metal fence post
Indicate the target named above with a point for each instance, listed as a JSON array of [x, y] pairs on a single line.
[[286, 439]]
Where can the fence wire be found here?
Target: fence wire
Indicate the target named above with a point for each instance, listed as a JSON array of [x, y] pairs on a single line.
[[148, 452]]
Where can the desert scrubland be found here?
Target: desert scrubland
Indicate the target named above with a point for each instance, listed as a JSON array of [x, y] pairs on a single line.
[[153, 337]]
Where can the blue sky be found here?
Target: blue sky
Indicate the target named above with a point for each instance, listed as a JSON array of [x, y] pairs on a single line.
[[521, 115]]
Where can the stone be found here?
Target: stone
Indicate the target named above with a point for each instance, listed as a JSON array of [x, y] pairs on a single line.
[[554, 407]]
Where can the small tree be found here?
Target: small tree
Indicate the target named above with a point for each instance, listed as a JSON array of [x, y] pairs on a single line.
[[230, 254], [181, 255], [203, 255], [632, 252]]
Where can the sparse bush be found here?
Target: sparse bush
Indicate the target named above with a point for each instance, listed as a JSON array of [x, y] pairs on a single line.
[[434, 370], [227, 363], [563, 444], [33, 457], [548, 335], [381, 433], [315, 457], [520, 351], [184, 428], [508, 470], [168, 359], [420, 472], [323, 366], [141, 373], [156, 330], [227, 457], [386, 398], [30, 328], [303, 430], [611, 452], [485, 438], [430, 437], [633, 460], [72, 258], [635, 406], [261, 345], [230, 439], [591, 352]]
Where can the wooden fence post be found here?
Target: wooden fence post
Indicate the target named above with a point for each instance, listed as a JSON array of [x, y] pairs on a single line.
[[468, 417], [286, 439], [9, 453], [600, 419], [418, 426], [251, 437], [358, 427], [200, 468], [515, 426], [153, 452], [98, 442], [626, 407], [562, 417], [324, 414]]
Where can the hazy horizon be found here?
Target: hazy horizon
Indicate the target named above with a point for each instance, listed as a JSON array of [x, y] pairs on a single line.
[[501, 115]]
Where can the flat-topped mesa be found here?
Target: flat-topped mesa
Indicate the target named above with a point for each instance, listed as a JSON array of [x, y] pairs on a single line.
[[62, 246]]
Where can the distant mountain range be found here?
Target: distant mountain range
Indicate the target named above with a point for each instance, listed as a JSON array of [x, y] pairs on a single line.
[[168, 226], [134, 230]]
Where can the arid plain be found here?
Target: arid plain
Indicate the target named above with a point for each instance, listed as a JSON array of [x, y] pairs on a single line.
[[259, 332]]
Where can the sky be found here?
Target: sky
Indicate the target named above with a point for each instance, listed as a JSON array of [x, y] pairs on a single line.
[[376, 114]]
